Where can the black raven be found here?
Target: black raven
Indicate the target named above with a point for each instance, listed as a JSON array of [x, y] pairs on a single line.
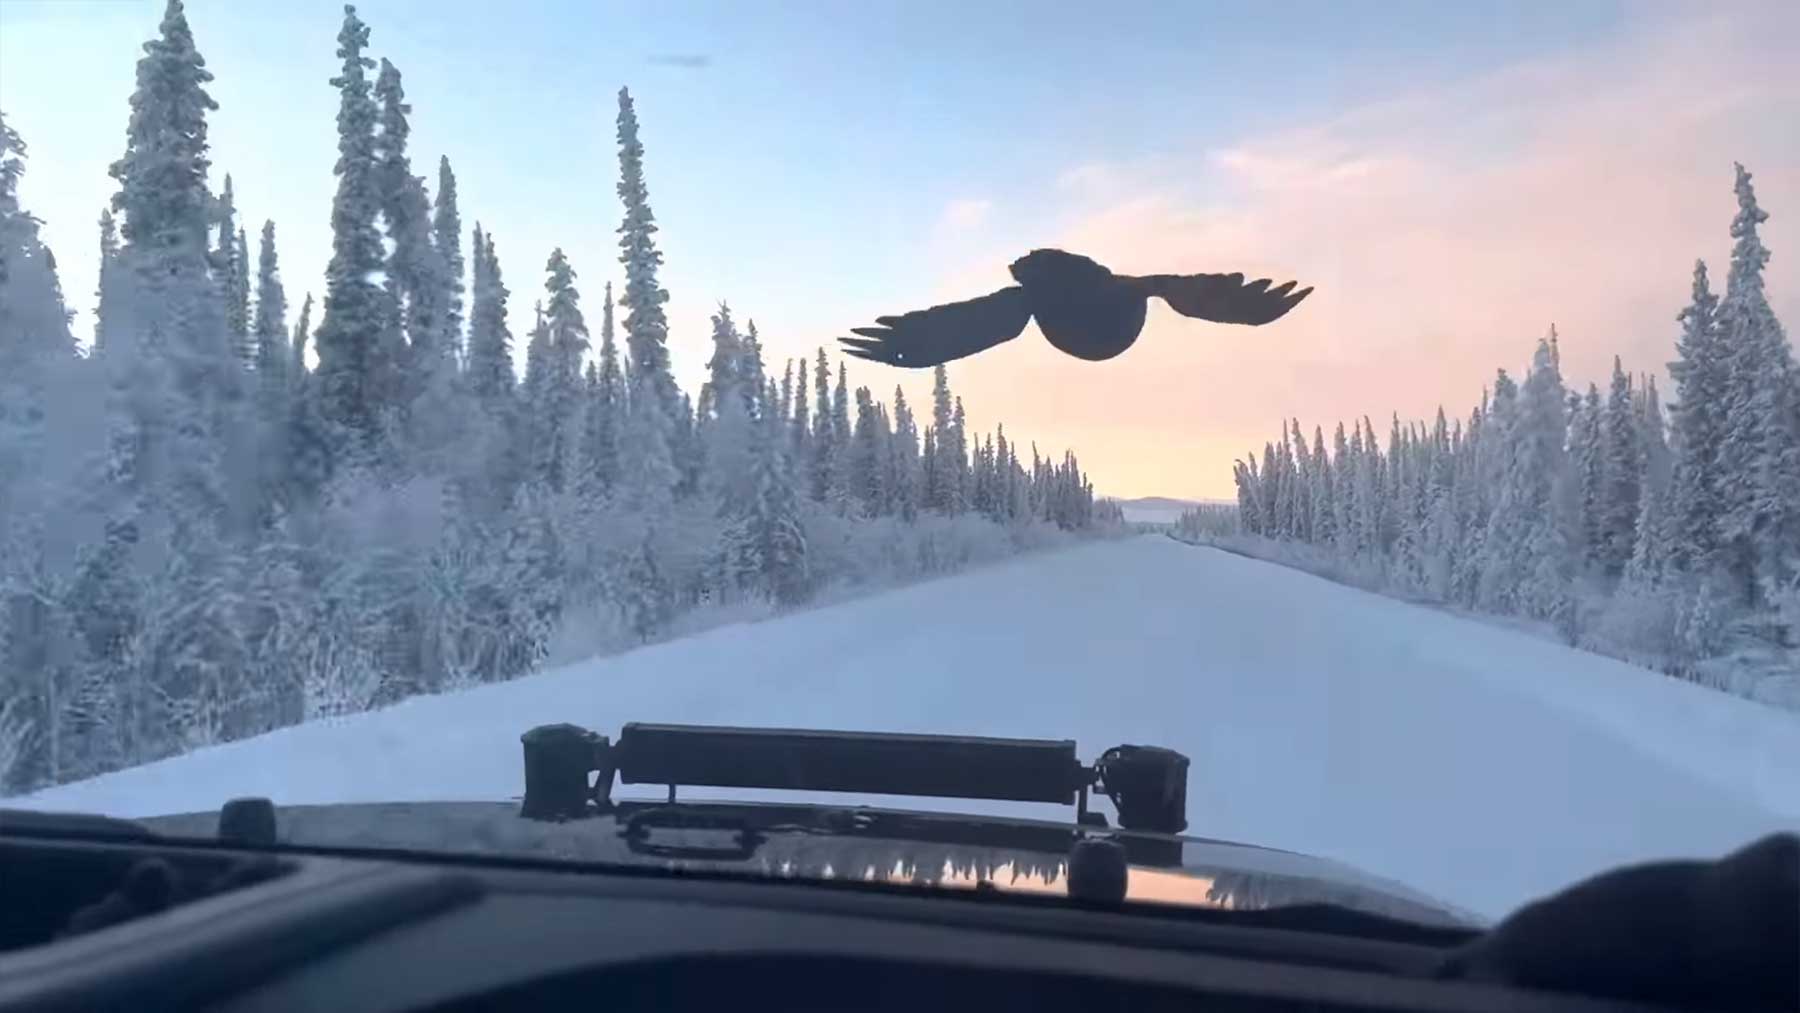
[[1082, 308]]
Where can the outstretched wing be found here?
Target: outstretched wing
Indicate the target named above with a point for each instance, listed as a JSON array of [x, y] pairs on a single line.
[[928, 337], [1224, 298]]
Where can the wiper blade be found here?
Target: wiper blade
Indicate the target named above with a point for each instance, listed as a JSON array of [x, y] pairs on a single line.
[[30, 823], [638, 828]]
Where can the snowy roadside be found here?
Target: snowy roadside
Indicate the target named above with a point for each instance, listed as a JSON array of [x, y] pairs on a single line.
[[1751, 668]]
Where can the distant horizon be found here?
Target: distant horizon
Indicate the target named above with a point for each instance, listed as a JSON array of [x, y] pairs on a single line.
[[1172, 500], [1453, 181]]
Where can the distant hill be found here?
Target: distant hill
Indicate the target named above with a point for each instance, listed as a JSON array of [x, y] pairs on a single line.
[[1156, 509]]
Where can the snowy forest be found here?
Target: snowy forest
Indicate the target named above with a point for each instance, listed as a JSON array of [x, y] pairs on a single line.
[[217, 518], [1669, 536]]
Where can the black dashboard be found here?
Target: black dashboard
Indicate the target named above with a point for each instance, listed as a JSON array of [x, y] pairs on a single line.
[[247, 929]]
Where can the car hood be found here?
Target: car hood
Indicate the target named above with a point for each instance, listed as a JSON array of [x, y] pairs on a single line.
[[828, 842]]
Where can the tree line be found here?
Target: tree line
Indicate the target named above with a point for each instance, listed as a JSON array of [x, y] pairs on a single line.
[[217, 519], [1653, 534]]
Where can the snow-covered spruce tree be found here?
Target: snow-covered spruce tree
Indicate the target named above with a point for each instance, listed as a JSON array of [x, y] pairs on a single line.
[[274, 387], [273, 355], [766, 541], [839, 491], [684, 441], [533, 439], [863, 467], [956, 469], [230, 267], [418, 280], [1698, 427], [1759, 453], [1489, 464], [1464, 572], [1305, 520], [1320, 486], [359, 367], [1623, 465], [646, 324], [176, 411], [584, 479], [606, 408], [645, 598], [648, 474], [34, 321], [1528, 553], [1649, 562], [418, 285], [107, 296], [1367, 493], [533, 579], [1243, 474], [297, 367], [906, 459], [237, 288], [928, 477], [103, 708], [943, 490], [1003, 463], [784, 405], [1587, 463], [180, 388], [752, 376], [887, 463], [1343, 517], [1021, 489], [558, 414], [37, 361], [307, 459], [658, 419], [1441, 540], [225, 220], [492, 469], [446, 231], [308, 454], [725, 419], [490, 367], [800, 438], [1653, 437], [824, 450]]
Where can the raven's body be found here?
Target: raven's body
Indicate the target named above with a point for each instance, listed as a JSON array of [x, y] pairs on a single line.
[[1081, 307]]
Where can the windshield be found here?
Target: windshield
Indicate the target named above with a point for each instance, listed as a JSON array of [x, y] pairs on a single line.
[[1389, 408]]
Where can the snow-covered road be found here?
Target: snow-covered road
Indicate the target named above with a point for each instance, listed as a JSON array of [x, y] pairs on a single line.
[[1478, 764]]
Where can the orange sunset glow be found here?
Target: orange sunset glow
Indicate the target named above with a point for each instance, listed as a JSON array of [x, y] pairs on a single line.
[[1445, 230]]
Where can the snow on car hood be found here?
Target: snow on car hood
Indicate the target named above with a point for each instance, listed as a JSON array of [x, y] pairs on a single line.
[[999, 852]]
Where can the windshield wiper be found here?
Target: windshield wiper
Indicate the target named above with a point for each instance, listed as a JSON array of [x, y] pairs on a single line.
[[639, 827], [30, 823]]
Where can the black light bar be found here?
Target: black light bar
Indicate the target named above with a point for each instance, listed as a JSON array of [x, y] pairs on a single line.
[[1147, 784], [947, 766]]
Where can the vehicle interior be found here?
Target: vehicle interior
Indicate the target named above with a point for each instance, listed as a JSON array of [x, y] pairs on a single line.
[[103, 913]]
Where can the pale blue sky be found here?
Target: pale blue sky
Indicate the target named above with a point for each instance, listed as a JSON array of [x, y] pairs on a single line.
[[813, 163], [798, 171]]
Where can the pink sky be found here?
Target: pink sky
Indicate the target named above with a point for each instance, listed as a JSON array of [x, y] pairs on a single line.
[[1445, 230]]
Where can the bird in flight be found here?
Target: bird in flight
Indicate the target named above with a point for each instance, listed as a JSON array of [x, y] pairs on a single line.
[[1082, 307]]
